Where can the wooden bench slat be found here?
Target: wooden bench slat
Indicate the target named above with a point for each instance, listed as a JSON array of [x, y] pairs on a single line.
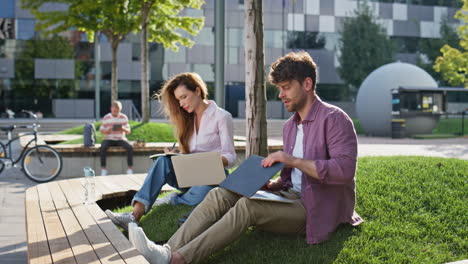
[[104, 188], [102, 246], [137, 179], [58, 243], [115, 188], [100, 189], [125, 181], [38, 248], [118, 240], [140, 178], [81, 247]]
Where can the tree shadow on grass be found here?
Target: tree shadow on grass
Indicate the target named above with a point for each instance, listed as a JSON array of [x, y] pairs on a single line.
[[257, 246]]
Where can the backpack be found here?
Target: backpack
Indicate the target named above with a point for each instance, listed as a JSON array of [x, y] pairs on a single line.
[[89, 135]]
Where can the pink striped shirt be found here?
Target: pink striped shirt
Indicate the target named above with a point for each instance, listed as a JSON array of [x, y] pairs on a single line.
[[108, 123]]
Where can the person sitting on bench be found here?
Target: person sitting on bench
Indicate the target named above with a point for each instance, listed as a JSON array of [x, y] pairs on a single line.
[[320, 153], [200, 126], [115, 127]]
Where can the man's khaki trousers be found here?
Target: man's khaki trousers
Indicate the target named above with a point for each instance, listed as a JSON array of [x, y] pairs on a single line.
[[223, 216]]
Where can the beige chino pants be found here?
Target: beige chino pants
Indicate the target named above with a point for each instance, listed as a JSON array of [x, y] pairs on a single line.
[[223, 216]]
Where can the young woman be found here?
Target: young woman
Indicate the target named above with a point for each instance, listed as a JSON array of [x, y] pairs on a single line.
[[200, 126]]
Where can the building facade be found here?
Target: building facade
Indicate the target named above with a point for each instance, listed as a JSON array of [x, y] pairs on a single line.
[[34, 71]]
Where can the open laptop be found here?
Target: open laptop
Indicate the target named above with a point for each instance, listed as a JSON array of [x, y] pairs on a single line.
[[250, 176], [198, 169]]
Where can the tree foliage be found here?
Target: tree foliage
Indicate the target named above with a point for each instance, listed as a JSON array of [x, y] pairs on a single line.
[[429, 50], [163, 24], [114, 18], [55, 47], [453, 64], [166, 24], [364, 46]]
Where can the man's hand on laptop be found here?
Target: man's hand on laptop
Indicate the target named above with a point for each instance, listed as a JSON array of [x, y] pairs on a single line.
[[278, 156], [273, 186]]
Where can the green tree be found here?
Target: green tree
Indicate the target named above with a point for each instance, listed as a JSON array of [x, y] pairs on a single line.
[[55, 47], [430, 49], [453, 64], [163, 25], [114, 18], [364, 46]]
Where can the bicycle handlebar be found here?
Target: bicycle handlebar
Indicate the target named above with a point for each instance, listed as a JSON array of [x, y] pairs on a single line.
[[30, 113], [30, 126]]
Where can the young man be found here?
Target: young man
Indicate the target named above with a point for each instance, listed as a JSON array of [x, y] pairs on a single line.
[[320, 151], [114, 127]]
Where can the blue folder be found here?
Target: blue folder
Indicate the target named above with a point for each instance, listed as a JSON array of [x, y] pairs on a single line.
[[250, 176]]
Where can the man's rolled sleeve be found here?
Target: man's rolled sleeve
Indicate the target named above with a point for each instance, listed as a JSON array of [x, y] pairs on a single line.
[[341, 138]]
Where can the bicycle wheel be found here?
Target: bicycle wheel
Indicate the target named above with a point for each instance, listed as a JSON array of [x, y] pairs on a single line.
[[42, 163]]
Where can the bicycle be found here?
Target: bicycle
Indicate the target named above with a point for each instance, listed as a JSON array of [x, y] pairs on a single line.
[[40, 163]]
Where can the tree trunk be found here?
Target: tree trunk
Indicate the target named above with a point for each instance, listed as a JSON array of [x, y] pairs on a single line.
[[255, 92], [114, 77], [145, 109]]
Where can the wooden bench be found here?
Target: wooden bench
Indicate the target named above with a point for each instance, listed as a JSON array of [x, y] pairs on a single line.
[[61, 229]]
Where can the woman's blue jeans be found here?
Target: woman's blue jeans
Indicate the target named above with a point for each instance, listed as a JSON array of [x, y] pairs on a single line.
[[162, 172]]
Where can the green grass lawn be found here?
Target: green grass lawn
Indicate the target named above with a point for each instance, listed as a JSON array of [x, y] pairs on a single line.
[[415, 210], [450, 126], [446, 128], [150, 132]]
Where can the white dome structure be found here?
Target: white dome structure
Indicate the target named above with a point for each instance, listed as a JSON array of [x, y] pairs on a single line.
[[374, 99]]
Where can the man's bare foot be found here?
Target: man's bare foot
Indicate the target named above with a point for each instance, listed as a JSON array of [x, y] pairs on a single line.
[[177, 258]]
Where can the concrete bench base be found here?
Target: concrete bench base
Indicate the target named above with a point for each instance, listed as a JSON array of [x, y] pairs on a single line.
[[75, 156]]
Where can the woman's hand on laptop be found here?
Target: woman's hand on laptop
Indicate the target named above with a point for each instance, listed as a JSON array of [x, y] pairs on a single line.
[[278, 156]]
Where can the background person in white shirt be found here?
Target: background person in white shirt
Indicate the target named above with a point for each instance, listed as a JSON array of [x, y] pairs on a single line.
[[200, 126], [115, 127]]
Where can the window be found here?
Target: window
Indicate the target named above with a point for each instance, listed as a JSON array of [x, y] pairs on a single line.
[[305, 40], [206, 71], [175, 56], [25, 28], [232, 55], [7, 9], [448, 3], [406, 44], [410, 102], [422, 102], [235, 37], [274, 38], [205, 37]]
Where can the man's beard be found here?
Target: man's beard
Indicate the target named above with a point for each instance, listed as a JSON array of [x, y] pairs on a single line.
[[294, 107]]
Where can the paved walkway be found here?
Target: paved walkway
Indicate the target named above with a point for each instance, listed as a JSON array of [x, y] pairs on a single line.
[[13, 184]]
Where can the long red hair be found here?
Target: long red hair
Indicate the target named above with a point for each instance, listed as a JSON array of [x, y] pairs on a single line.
[[181, 119]]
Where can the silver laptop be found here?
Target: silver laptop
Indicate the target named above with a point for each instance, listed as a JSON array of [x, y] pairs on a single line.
[[198, 169], [268, 196]]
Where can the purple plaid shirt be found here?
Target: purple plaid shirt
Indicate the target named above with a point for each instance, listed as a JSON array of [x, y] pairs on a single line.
[[330, 140]]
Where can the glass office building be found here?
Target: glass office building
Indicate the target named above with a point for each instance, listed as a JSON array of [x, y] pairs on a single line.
[[34, 71]]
